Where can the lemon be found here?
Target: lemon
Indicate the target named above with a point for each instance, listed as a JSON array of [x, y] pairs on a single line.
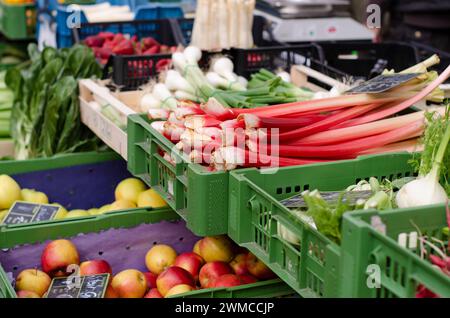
[[62, 212], [9, 191], [150, 198], [121, 205], [129, 189], [104, 209], [93, 211], [34, 196], [76, 214]]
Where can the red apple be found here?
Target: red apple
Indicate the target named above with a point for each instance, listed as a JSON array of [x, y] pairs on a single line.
[[57, 255], [33, 280], [171, 277], [27, 294], [96, 266], [153, 293], [216, 248], [210, 271], [227, 280], [179, 289], [130, 283], [111, 292], [191, 262], [151, 279], [247, 279], [238, 264], [257, 268]]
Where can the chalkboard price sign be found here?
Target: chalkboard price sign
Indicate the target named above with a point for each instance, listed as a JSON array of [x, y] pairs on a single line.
[[382, 83], [92, 286], [26, 212]]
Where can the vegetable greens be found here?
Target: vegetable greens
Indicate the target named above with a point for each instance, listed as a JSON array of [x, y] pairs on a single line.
[[45, 119]]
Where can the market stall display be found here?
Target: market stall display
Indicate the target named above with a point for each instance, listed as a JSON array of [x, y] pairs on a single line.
[[240, 166]]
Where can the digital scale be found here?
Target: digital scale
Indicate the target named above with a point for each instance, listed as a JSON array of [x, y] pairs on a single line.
[[311, 20]]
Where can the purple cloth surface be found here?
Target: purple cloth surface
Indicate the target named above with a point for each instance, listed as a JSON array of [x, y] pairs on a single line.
[[121, 248]]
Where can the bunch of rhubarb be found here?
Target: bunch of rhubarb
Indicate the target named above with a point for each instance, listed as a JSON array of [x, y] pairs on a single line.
[[298, 133]]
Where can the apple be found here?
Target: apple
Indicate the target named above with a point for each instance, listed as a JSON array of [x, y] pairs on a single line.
[[210, 271], [227, 280], [191, 262], [171, 277], [196, 248], [257, 268], [238, 264], [27, 294], [151, 279], [179, 289], [33, 280], [57, 255], [153, 293], [247, 279], [130, 283], [111, 292], [96, 266], [216, 248], [160, 257]]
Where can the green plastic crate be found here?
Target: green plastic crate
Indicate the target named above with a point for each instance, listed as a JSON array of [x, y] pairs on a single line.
[[18, 21], [311, 268], [20, 234], [199, 196], [400, 269]]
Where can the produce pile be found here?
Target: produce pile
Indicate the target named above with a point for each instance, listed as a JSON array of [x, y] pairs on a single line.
[[45, 118], [324, 210], [129, 193], [105, 44], [292, 133], [213, 263], [186, 81]]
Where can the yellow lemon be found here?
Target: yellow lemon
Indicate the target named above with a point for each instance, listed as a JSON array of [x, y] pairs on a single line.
[[150, 198], [34, 196], [9, 191], [104, 209], [93, 211], [129, 189], [76, 214], [122, 205], [62, 212]]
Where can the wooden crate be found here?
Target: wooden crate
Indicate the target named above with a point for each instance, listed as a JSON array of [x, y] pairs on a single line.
[[126, 103]]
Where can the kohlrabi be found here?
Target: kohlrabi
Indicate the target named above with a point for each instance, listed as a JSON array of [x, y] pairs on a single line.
[[433, 168]]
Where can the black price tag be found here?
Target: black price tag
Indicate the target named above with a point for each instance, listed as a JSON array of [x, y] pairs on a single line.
[[382, 83], [92, 286], [26, 212]]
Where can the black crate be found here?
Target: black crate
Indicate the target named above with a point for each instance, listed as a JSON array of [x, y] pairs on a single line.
[[131, 71], [249, 61], [364, 60]]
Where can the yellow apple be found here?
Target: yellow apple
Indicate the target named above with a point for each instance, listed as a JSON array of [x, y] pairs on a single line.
[[33, 280]]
